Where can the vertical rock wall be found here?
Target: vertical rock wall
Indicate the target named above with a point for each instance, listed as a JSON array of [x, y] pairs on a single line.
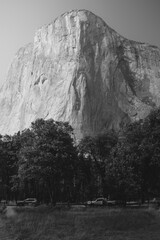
[[80, 70]]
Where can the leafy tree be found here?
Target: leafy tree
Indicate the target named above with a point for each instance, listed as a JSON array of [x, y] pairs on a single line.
[[48, 155], [96, 152], [150, 152], [8, 165], [120, 174], [143, 141]]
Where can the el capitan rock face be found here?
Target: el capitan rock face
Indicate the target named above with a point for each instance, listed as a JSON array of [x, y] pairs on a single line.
[[80, 70]]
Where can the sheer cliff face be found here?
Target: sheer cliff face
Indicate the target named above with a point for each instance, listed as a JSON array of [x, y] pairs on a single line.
[[80, 70]]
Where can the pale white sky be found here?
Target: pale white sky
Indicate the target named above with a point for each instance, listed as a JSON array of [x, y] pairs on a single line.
[[135, 19]]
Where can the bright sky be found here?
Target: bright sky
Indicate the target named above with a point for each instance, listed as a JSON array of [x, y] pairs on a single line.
[[135, 19]]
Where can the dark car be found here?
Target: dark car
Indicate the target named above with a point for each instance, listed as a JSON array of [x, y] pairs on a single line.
[[27, 202], [156, 201]]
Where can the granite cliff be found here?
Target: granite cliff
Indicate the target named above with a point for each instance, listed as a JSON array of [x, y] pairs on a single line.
[[80, 70]]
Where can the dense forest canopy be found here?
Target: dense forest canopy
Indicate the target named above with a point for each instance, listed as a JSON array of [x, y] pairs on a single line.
[[45, 162]]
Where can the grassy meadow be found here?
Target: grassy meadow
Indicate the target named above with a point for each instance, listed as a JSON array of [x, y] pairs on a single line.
[[44, 223]]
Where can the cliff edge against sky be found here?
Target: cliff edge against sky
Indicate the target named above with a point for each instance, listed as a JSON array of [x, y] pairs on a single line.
[[80, 70]]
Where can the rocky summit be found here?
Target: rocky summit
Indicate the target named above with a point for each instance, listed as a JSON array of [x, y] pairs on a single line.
[[80, 70]]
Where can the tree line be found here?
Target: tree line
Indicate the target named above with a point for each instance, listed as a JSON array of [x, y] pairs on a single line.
[[45, 162]]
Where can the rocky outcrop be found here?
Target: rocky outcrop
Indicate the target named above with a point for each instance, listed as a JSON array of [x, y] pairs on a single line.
[[80, 70]]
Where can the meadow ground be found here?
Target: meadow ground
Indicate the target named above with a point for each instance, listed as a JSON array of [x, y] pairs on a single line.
[[44, 223]]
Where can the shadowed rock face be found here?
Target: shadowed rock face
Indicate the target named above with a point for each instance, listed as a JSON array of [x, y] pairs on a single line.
[[80, 70]]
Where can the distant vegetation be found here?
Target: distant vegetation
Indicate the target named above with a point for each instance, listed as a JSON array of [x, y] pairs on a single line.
[[45, 162]]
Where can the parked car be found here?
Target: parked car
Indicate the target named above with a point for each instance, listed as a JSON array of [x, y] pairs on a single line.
[[97, 202], [27, 202], [111, 203], [156, 201], [3, 202]]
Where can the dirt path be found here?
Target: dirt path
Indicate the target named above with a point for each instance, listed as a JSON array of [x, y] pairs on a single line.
[[4, 235]]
